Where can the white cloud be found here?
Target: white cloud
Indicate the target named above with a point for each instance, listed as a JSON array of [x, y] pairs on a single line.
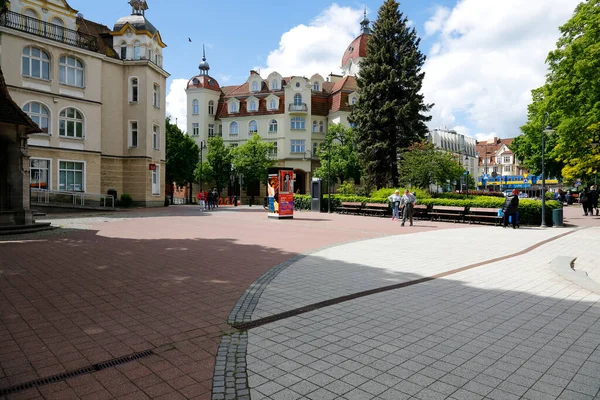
[[317, 47], [487, 57], [177, 103]]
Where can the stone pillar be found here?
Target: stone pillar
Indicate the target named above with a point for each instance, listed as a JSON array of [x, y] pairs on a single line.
[[18, 180]]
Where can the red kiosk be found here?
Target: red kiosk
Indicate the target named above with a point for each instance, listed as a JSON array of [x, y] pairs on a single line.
[[280, 193]]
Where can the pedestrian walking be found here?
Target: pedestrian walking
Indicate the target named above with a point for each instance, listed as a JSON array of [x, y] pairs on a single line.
[[594, 194], [510, 208], [407, 202], [394, 199], [201, 200], [215, 197], [210, 200], [586, 201]]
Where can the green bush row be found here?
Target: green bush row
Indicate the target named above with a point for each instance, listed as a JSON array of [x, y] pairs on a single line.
[[530, 211], [387, 192]]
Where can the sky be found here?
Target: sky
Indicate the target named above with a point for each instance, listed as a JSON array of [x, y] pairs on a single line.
[[483, 56]]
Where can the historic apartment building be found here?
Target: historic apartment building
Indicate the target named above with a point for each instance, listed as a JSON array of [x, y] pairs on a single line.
[[462, 147], [292, 112], [98, 95], [495, 156]]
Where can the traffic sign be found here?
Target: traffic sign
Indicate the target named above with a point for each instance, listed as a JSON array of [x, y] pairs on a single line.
[[525, 180], [485, 176]]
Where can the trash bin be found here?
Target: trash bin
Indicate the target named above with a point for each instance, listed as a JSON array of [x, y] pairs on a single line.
[[557, 217], [235, 201]]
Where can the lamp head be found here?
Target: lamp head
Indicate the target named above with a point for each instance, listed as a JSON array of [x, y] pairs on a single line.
[[548, 130]]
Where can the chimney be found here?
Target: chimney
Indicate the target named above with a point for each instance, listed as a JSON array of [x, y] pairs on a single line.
[[253, 72], [493, 140]]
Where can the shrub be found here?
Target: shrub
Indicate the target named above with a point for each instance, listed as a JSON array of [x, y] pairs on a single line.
[[346, 188], [387, 192], [461, 195], [126, 200]]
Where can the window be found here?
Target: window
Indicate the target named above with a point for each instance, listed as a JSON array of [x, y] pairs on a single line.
[[273, 126], [35, 63], [31, 26], [195, 129], [156, 180], [273, 151], [497, 160], [298, 123], [255, 86], [156, 96], [57, 29], [70, 176], [233, 128], [38, 114], [315, 126], [123, 50], [39, 173], [297, 146], [156, 137], [274, 84], [496, 169], [133, 134], [297, 99], [211, 108], [150, 55], [133, 90], [233, 107], [507, 168], [211, 130], [321, 127], [70, 123], [195, 107], [233, 145], [136, 50], [252, 128], [71, 71], [353, 100], [315, 148], [252, 106], [316, 86], [220, 130], [506, 159], [272, 104]]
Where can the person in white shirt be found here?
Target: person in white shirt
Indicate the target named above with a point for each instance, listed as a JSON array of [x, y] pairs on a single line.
[[395, 200]]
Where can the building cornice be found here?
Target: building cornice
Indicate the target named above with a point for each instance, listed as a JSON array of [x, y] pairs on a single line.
[[53, 94]]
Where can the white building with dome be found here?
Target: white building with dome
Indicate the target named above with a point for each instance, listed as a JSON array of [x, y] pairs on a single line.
[[97, 93]]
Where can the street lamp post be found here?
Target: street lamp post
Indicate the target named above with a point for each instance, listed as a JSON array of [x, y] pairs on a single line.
[[329, 176], [202, 147], [547, 129]]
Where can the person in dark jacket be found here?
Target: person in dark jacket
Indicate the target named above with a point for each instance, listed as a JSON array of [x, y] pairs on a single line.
[[586, 199], [511, 205], [594, 195]]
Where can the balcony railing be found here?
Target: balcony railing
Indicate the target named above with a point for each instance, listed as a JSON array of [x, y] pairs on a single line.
[[298, 107], [47, 30]]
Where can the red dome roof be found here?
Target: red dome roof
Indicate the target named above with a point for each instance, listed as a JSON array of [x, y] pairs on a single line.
[[358, 48], [204, 82]]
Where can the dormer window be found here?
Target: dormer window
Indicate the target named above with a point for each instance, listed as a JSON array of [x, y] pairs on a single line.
[[272, 104], [255, 86], [252, 106], [233, 108], [274, 84], [195, 81], [316, 86], [353, 100]]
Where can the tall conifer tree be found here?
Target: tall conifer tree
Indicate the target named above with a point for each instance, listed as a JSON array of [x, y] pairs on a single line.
[[390, 114]]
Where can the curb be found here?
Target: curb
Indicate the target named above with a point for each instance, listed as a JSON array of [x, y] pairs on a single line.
[[564, 267]]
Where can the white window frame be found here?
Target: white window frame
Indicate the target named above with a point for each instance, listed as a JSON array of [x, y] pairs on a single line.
[[315, 148], [136, 50], [315, 127], [274, 85], [316, 86], [273, 125], [353, 100], [321, 127], [297, 99], [155, 176], [134, 89], [273, 104], [297, 146], [31, 59], [60, 28], [506, 160], [507, 168], [211, 107], [134, 133], [195, 107], [39, 117], [156, 95], [233, 107], [123, 50], [195, 129], [255, 86], [156, 137], [49, 175], [250, 131], [298, 123], [273, 153], [252, 106], [83, 174], [211, 130], [77, 70], [75, 122], [236, 131]]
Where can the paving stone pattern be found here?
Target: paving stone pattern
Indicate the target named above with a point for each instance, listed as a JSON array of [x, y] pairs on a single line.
[[230, 380]]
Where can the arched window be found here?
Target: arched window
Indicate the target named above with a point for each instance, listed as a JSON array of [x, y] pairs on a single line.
[[321, 127], [35, 63], [316, 86], [71, 71], [195, 107], [123, 50], [273, 126], [31, 21], [255, 86], [38, 114], [133, 90], [272, 104], [274, 84], [252, 128], [252, 106], [233, 128], [136, 50], [70, 123], [57, 29], [353, 100], [297, 99], [314, 126], [211, 108]]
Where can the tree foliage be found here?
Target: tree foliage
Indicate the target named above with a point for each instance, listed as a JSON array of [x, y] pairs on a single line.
[[218, 166], [340, 145], [421, 165], [389, 114], [182, 155], [571, 95], [3, 5], [252, 160]]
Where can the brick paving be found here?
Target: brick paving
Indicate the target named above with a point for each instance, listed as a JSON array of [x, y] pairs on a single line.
[[125, 282]]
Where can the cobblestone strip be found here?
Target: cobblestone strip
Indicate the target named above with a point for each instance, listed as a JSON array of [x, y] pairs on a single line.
[[230, 379], [243, 309]]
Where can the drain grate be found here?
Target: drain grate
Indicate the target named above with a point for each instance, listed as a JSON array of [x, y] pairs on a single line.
[[72, 374]]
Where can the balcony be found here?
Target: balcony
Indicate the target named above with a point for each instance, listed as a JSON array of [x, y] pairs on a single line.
[[298, 108], [46, 30]]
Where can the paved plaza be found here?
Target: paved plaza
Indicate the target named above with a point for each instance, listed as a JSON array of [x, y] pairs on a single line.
[[228, 304]]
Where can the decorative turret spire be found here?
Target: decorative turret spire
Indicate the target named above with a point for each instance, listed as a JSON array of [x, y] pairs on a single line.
[[364, 24], [138, 7], [204, 67]]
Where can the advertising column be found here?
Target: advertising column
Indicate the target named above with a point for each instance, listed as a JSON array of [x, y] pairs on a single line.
[[280, 193]]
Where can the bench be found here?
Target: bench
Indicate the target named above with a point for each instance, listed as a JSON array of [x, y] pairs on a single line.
[[377, 209], [349, 207], [455, 214], [483, 215], [420, 211]]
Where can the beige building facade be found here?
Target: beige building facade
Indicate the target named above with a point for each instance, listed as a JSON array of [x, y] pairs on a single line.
[[97, 94]]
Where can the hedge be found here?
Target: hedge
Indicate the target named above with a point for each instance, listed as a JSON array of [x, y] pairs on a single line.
[[530, 211]]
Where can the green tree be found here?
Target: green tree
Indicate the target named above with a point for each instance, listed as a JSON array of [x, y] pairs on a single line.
[[3, 5], [218, 166], [421, 165], [182, 155], [340, 145], [389, 114], [252, 160], [571, 95]]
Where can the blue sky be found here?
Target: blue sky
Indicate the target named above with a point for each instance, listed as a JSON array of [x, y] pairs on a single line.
[[484, 56]]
